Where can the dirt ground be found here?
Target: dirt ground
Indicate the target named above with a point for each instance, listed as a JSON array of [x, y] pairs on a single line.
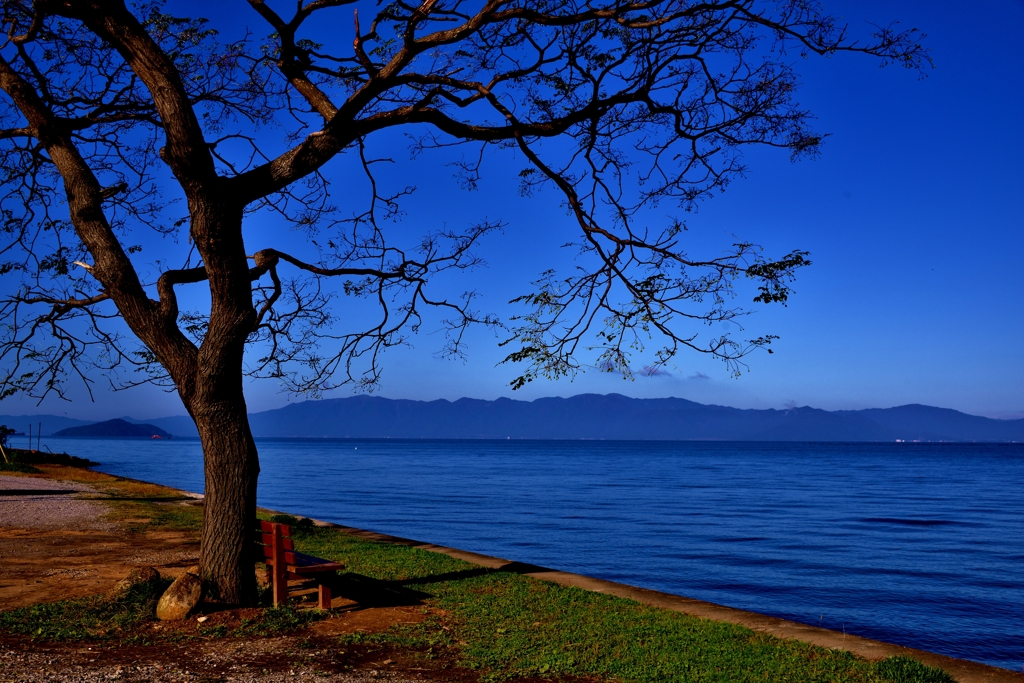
[[57, 542], [48, 565], [313, 653]]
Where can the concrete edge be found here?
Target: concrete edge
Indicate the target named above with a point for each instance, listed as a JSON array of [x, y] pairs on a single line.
[[963, 670]]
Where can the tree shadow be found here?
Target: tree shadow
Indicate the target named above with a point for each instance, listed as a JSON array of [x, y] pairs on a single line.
[[522, 568], [447, 576], [369, 592], [137, 499], [37, 492]]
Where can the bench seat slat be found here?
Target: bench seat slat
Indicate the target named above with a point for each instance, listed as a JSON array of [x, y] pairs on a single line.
[[314, 568], [303, 559], [306, 562]]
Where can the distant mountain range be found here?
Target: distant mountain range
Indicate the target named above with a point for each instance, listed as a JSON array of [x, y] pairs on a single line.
[[117, 429], [587, 416]]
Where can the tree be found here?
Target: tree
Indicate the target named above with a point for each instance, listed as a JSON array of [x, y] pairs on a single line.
[[120, 120]]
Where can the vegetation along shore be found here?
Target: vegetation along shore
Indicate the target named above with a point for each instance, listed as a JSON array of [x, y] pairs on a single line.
[[402, 610]]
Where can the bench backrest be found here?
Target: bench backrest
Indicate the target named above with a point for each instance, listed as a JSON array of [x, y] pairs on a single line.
[[275, 539], [278, 551]]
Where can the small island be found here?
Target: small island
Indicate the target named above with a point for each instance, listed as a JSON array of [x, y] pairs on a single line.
[[116, 429]]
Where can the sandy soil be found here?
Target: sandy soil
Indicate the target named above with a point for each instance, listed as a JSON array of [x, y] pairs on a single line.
[[48, 565], [58, 545], [55, 544]]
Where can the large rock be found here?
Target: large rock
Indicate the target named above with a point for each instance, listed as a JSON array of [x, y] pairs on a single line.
[[136, 577], [181, 597]]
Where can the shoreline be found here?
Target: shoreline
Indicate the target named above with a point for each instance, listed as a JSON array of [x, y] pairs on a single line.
[[963, 670]]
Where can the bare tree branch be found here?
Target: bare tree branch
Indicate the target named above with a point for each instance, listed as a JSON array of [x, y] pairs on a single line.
[[119, 126]]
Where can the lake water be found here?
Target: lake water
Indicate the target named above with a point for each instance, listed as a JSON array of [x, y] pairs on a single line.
[[917, 544]]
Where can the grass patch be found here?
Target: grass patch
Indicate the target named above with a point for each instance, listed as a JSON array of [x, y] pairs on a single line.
[[275, 621], [506, 625], [902, 669], [173, 516], [501, 624], [291, 520], [98, 617], [27, 457], [19, 467], [101, 617], [142, 506], [142, 515]]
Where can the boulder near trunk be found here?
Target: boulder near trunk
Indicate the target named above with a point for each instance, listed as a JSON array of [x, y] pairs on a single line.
[[181, 597]]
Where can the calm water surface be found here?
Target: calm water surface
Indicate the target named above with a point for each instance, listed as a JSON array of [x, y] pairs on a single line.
[[917, 544]]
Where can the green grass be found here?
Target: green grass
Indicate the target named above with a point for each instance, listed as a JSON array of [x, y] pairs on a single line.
[[98, 617], [150, 506], [33, 457], [275, 621], [19, 467], [101, 617], [176, 517], [501, 624], [906, 670], [290, 520], [507, 625]]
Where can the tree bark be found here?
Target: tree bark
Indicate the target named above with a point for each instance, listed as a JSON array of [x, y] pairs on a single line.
[[231, 468], [217, 404]]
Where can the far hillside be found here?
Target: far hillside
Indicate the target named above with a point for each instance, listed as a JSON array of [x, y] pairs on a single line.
[[585, 416], [115, 429]]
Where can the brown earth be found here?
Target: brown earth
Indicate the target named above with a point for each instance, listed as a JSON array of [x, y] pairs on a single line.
[[60, 545], [66, 546], [69, 543], [48, 565]]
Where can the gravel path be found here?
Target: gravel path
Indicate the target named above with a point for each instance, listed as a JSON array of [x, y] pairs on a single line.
[[31, 514], [48, 511], [23, 666]]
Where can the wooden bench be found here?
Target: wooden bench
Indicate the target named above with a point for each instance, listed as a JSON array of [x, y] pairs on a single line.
[[284, 564]]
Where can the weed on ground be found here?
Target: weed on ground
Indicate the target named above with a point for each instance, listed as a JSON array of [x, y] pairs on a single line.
[[98, 617], [19, 467], [34, 457]]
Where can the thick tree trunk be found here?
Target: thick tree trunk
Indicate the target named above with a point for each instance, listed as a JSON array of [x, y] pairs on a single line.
[[230, 461], [231, 466]]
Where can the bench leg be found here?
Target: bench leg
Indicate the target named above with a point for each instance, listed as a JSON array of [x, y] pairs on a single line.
[[280, 586], [325, 596], [280, 571]]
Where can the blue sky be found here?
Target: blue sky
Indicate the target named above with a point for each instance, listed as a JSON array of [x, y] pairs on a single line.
[[913, 216]]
